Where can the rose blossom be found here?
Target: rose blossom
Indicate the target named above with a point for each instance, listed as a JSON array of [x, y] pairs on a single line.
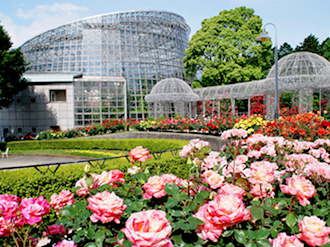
[[32, 209], [300, 186], [85, 189], [148, 228], [139, 154], [229, 188], [8, 205], [65, 243], [154, 187], [262, 172], [54, 229], [106, 207], [314, 231], [213, 179], [262, 190], [61, 200], [6, 227], [234, 133], [111, 177], [133, 170], [224, 211], [282, 240]]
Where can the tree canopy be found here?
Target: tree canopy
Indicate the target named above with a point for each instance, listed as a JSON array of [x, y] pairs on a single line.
[[311, 44], [225, 49], [12, 67]]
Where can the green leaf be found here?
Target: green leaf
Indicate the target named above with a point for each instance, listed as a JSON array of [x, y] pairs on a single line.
[[192, 205], [172, 203], [291, 220], [257, 213], [240, 236], [99, 237], [171, 189], [103, 187], [188, 226], [76, 238], [227, 233], [201, 196], [89, 181], [230, 245], [262, 233], [177, 213], [127, 243], [250, 244], [90, 245], [195, 220], [264, 243], [90, 233]]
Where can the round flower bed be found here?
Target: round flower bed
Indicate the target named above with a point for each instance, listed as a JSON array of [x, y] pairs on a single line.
[[258, 191]]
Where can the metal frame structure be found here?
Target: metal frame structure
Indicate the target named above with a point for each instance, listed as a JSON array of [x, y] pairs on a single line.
[[171, 96], [141, 46], [299, 73]]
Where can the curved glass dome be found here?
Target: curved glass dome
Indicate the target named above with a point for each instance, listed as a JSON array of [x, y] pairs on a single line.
[[173, 90], [298, 70]]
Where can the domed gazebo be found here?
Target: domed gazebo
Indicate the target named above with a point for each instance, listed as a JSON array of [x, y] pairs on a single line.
[[298, 74], [171, 96]]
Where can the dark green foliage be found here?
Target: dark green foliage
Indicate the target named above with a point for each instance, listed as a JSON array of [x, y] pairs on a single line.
[[225, 50], [105, 144], [12, 67], [311, 44]]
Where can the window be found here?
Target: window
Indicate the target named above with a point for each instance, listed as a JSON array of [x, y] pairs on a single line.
[[19, 130], [57, 95], [18, 101], [33, 100], [34, 129]]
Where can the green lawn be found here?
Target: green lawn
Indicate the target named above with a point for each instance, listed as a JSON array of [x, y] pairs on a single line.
[[95, 153]]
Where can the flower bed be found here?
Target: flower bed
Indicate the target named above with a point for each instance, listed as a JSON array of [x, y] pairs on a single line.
[[258, 191]]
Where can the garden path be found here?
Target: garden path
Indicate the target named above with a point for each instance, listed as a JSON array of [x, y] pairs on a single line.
[[15, 160]]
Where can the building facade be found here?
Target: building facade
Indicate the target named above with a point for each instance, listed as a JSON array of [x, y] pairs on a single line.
[[110, 61]]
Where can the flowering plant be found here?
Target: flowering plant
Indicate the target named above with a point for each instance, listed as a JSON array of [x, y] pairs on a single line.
[[257, 191]]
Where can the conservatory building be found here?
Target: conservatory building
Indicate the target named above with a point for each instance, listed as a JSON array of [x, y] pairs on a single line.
[[95, 68]]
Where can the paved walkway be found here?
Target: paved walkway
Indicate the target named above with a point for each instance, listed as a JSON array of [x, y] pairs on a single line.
[[28, 160]]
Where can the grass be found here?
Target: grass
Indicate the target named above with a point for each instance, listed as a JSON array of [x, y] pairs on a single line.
[[95, 153]]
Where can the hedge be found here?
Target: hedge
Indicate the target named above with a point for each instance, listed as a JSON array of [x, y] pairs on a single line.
[[28, 182], [106, 144]]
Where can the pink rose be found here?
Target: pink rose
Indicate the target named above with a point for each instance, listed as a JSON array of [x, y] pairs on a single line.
[[84, 188], [7, 227], [154, 187], [106, 207], [208, 230], [301, 187], [133, 170], [32, 209], [148, 228], [139, 154], [229, 209], [54, 229], [111, 177], [262, 172], [213, 179], [8, 205], [313, 231], [262, 190], [65, 243], [229, 188], [224, 211], [61, 200], [282, 240]]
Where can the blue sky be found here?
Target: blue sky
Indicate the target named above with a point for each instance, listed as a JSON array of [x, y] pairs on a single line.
[[294, 19]]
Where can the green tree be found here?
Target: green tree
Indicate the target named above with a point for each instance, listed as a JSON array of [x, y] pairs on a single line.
[[325, 48], [225, 49], [311, 44], [284, 50], [12, 67]]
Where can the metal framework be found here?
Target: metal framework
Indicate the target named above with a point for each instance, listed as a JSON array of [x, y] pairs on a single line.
[[171, 96], [142, 47], [299, 73]]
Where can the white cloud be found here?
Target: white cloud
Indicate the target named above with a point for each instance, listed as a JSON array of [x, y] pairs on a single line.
[[40, 19]]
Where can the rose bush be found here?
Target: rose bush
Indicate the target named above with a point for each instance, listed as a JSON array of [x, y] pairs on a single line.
[[258, 191]]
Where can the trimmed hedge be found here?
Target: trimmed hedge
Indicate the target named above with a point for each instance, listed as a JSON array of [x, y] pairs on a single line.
[[107, 144], [28, 182]]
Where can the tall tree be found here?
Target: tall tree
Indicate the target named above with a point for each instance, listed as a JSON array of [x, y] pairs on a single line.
[[311, 44], [225, 49], [12, 67], [284, 50], [325, 48]]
